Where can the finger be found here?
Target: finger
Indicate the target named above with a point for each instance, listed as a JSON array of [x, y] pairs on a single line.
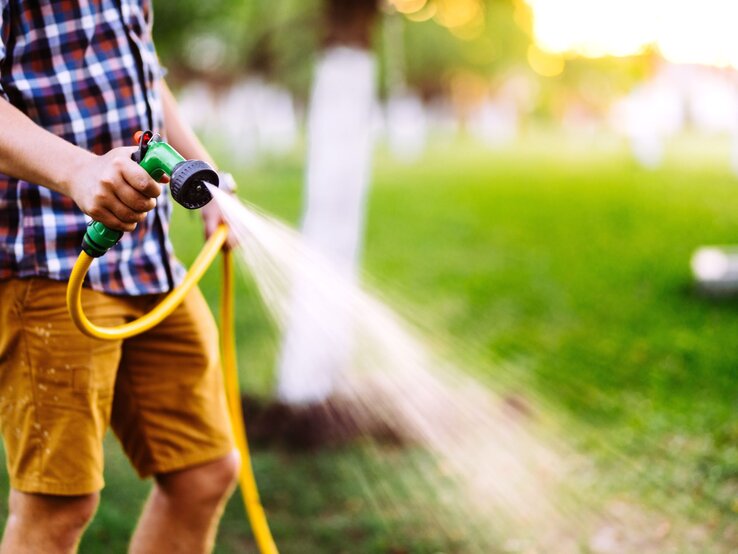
[[230, 242], [109, 219], [213, 220], [124, 214], [210, 226], [137, 177], [232, 239], [212, 217], [134, 200]]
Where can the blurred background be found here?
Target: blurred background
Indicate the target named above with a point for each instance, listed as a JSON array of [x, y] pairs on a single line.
[[492, 71], [531, 178]]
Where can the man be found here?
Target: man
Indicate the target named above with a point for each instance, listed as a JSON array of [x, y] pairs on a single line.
[[77, 79]]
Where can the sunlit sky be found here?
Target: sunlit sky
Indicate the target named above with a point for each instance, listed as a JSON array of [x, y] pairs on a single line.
[[684, 31]]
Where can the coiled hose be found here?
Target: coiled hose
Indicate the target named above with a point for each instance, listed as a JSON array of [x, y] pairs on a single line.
[[247, 482]]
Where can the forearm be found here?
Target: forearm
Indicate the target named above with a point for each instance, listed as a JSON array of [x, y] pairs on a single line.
[[33, 154], [178, 131], [183, 139], [111, 188]]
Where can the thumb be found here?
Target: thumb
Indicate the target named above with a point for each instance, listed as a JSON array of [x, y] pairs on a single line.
[[212, 218]]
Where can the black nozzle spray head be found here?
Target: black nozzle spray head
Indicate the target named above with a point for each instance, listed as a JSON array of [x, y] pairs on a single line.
[[189, 182]]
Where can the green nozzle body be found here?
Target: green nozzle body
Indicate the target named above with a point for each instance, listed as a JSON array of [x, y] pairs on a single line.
[[188, 180], [99, 239], [160, 159]]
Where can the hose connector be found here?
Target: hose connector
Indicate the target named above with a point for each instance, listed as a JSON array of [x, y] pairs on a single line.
[[99, 239]]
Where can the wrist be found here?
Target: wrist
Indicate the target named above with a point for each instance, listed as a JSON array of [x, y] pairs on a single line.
[[68, 176], [226, 182]]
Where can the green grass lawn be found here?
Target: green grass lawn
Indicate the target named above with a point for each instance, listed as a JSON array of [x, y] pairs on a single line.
[[566, 260]]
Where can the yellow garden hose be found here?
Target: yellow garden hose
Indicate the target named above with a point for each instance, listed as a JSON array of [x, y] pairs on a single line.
[[247, 482]]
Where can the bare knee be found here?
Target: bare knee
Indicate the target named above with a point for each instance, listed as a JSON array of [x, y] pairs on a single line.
[[218, 478], [59, 519], [73, 512], [206, 484]]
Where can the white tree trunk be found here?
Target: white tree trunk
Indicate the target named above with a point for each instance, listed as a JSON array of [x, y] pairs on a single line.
[[338, 172]]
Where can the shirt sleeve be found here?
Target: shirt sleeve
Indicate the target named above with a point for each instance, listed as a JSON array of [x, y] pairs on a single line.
[[3, 23]]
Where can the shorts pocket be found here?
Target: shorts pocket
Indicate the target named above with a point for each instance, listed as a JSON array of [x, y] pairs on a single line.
[[67, 367]]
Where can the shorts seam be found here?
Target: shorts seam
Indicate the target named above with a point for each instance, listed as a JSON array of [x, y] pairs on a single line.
[[23, 298], [35, 439], [135, 409], [186, 462], [44, 487]]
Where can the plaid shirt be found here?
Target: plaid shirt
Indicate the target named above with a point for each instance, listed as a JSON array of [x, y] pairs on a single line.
[[87, 71]]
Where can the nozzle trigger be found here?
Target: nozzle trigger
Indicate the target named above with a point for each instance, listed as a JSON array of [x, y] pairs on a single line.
[[143, 139]]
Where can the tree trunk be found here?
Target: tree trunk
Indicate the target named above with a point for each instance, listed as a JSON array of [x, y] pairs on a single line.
[[338, 174]]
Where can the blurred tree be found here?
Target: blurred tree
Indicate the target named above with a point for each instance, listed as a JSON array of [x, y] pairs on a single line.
[[488, 45], [338, 173], [451, 48], [224, 39], [280, 39]]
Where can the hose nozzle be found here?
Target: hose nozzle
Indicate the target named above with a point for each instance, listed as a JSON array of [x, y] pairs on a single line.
[[189, 183], [188, 180], [188, 177]]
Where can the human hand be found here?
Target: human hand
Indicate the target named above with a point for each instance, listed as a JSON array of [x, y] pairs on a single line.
[[113, 189], [213, 217]]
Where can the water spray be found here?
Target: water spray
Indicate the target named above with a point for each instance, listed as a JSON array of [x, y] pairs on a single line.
[[191, 182], [509, 474]]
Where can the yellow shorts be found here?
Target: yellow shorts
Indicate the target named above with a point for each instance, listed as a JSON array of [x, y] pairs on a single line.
[[161, 392]]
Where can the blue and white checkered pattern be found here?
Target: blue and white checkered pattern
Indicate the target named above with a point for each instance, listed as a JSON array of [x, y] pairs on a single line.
[[87, 72]]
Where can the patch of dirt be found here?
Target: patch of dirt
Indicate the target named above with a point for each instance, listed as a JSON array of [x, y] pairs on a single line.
[[331, 423]]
